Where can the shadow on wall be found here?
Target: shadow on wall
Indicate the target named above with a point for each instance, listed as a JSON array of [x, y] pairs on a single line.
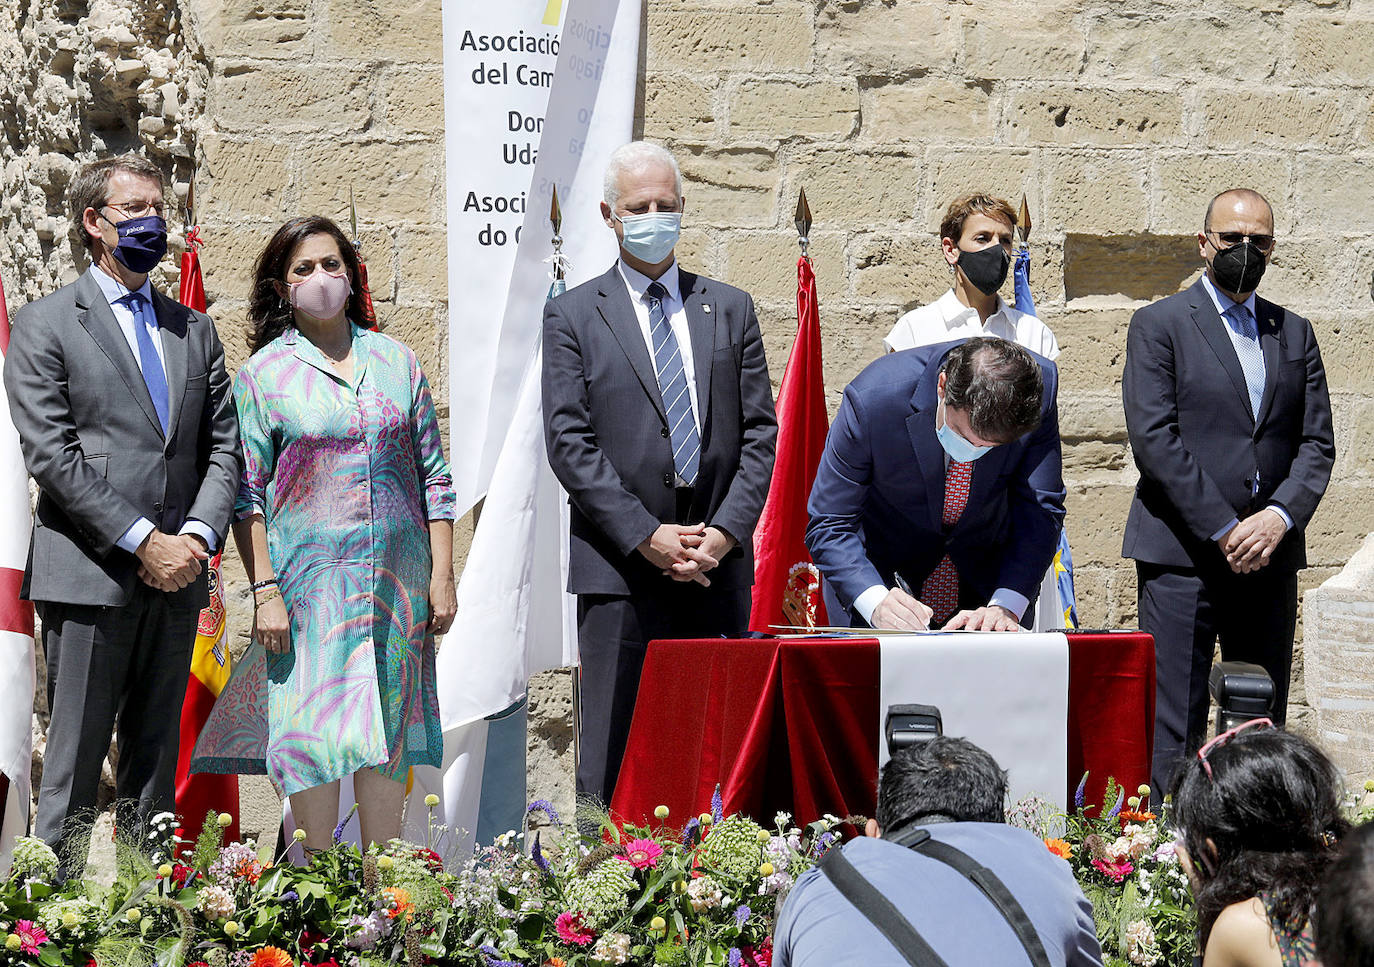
[[1139, 267]]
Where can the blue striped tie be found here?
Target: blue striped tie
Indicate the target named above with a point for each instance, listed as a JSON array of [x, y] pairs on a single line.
[[672, 384], [148, 360], [1251, 356]]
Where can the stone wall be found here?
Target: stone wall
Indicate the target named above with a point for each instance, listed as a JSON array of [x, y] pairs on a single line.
[[1116, 120]]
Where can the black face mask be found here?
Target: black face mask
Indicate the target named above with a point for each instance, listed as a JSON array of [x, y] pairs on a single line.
[[986, 268], [1239, 268]]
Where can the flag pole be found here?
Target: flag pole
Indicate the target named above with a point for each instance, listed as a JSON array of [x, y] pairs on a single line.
[[559, 286]]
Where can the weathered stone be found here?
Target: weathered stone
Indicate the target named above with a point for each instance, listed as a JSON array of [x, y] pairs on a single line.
[[848, 186], [1338, 646], [1006, 172], [926, 109], [1346, 342], [413, 100], [903, 268], [422, 265], [887, 39], [1287, 118], [1048, 47], [373, 30], [1338, 526], [775, 36], [1142, 44], [221, 187], [679, 107], [1335, 191], [1182, 184], [385, 177], [250, 100], [1092, 340], [1097, 515], [765, 263], [1140, 266], [734, 186], [1058, 114], [1332, 49], [826, 109], [257, 28], [1096, 192]]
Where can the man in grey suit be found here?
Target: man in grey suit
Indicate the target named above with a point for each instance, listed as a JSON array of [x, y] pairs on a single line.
[[124, 414], [659, 422]]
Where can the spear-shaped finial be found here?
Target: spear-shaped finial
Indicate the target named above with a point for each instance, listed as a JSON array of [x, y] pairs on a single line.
[[353, 219], [1024, 221], [190, 213], [803, 223], [555, 213], [556, 221]]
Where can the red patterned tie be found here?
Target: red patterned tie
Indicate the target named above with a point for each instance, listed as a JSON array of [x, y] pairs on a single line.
[[941, 590]]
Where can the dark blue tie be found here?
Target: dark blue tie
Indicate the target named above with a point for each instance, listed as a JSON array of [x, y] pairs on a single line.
[[148, 360], [672, 384]]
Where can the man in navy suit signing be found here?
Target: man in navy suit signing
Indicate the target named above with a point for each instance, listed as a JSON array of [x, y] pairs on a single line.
[[658, 419], [939, 498]]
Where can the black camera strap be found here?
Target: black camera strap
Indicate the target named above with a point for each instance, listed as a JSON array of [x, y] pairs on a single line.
[[899, 931]]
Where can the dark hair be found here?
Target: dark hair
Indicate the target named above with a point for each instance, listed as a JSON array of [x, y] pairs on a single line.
[[978, 203], [91, 186], [1249, 194], [1272, 807], [1344, 919], [998, 384], [268, 315], [944, 776]]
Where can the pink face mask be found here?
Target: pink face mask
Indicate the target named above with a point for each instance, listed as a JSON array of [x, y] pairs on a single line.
[[323, 295]]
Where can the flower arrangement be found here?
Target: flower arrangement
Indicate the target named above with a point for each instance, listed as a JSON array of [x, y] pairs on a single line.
[[1123, 858], [704, 894]]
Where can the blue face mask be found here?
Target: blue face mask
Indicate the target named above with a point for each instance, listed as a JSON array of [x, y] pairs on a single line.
[[959, 449], [142, 242], [652, 236]]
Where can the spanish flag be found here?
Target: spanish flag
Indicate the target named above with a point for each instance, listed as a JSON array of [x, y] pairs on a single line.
[[201, 793]]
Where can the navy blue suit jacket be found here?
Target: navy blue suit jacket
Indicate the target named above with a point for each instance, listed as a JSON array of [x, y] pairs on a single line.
[[879, 494]]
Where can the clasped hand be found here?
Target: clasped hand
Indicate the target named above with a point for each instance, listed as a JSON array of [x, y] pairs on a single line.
[[170, 562], [685, 552], [1249, 545]]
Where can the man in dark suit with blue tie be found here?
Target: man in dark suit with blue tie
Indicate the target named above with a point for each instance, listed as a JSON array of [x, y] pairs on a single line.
[[659, 423], [939, 497], [1230, 425], [122, 404]]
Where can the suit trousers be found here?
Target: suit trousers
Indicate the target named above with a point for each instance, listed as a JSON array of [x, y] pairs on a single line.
[[1187, 610], [106, 666], [613, 633]]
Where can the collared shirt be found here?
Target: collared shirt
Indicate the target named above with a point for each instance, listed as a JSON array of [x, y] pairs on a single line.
[[947, 319], [818, 926], [115, 291], [637, 284], [1224, 304]]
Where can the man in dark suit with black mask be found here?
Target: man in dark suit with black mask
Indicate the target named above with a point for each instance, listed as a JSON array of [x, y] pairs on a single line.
[[1230, 424], [658, 418]]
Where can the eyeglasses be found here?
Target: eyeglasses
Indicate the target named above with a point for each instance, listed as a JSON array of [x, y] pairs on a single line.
[[1262, 242], [137, 209], [1225, 737]]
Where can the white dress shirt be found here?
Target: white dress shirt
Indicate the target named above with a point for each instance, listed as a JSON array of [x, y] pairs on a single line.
[[947, 319], [114, 291]]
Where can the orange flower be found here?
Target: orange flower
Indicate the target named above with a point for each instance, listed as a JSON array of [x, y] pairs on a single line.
[[1128, 816], [250, 870], [271, 957], [555, 962], [398, 903], [1060, 848]]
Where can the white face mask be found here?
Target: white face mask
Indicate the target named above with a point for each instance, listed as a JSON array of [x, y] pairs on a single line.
[[652, 236]]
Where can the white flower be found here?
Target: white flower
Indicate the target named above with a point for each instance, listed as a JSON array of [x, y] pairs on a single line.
[[831, 820], [612, 948], [1141, 946], [704, 893], [215, 901], [782, 819]]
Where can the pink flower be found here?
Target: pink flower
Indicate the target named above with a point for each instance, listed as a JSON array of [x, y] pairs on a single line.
[[30, 936], [1114, 870], [642, 854], [571, 929]]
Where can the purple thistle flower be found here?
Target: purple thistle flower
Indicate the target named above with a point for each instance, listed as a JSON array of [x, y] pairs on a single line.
[[1120, 798], [545, 807], [716, 805], [1078, 793], [689, 830], [537, 855], [736, 958], [741, 914]]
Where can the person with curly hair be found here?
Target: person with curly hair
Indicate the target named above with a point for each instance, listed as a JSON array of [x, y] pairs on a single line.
[[1258, 813]]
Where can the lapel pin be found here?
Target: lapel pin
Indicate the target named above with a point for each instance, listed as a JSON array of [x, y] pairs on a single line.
[[705, 307]]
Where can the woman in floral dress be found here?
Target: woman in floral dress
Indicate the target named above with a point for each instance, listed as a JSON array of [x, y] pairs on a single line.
[[344, 521]]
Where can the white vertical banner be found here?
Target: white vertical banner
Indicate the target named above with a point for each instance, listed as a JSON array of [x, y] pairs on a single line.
[[16, 625], [514, 615]]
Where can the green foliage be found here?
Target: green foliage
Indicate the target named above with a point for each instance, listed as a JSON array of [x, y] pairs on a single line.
[[207, 843]]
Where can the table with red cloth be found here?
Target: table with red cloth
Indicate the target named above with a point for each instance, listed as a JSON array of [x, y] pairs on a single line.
[[791, 724]]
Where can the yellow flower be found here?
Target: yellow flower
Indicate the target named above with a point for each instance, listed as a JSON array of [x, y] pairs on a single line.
[[12, 942], [299, 836], [661, 812], [431, 800], [679, 886], [705, 819], [1060, 848], [231, 927], [1133, 802], [165, 870], [385, 862], [763, 836], [133, 914], [658, 924], [1369, 785], [224, 820], [69, 920], [765, 869], [1143, 789]]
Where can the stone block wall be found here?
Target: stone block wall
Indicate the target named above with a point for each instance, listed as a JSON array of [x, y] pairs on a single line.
[[1117, 122]]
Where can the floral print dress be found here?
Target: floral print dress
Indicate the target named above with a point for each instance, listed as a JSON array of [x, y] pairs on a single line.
[[347, 477]]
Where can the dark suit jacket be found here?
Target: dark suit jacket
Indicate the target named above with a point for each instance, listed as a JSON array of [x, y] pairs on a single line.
[[1196, 441], [607, 434], [879, 494], [92, 440]]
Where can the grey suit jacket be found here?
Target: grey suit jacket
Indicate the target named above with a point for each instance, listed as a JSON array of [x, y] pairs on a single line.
[[607, 433], [92, 440]]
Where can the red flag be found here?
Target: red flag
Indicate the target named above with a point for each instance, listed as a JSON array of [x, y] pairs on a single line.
[[210, 665], [786, 583], [369, 314]]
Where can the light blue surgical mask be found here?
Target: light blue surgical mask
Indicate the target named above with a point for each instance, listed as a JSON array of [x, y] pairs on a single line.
[[652, 236], [959, 449]]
